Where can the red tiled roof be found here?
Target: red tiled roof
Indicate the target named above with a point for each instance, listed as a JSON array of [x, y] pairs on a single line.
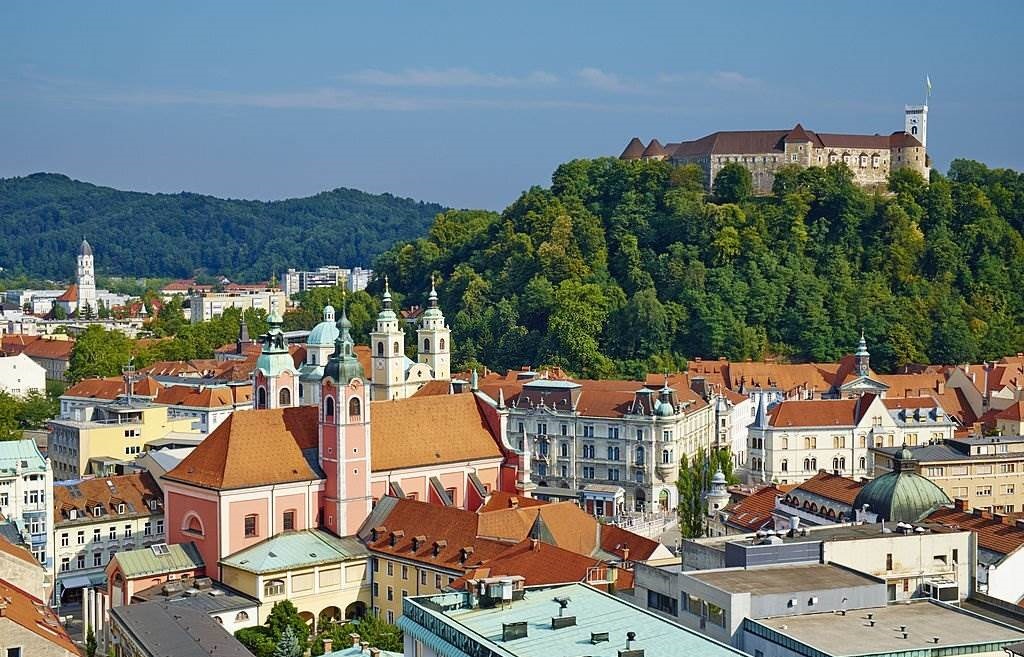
[[18, 552], [109, 388], [70, 294], [753, 512], [1014, 412], [134, 490], [235, 454], [831, 487], [499, 500], [16, 343], [1001, 536], [538, 562], [432, 388], [206, 397], [819, 412], [34, 615], [634, 149], [52, 349], [895, 403]]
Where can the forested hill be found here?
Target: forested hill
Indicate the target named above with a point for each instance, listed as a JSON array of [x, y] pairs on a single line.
[[43, 218], [624, 267]]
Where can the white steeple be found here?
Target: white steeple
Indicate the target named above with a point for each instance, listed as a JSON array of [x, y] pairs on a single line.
[[86, 279], [387, 344], [433, 339]]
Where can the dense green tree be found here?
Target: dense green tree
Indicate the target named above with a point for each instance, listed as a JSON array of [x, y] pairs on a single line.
[[733, 184], [98, 352], [694, 481], [258, 640], [284, 616], [288, 644]]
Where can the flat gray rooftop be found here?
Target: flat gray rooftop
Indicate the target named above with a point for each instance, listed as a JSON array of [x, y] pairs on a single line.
[[767, 580], [853, 634], [816, 534]]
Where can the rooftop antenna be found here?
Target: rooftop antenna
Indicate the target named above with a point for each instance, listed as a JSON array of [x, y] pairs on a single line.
[[130, 377]]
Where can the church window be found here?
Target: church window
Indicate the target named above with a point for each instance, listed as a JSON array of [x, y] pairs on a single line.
[[261, 398], [354, 408], [426, 344], [396, 348], [862, 464], [192, 526], [380, 348], [284, 397], [329, 407], [288, 521], [441, 344], [251, 525], [913, 130], [784, 466]]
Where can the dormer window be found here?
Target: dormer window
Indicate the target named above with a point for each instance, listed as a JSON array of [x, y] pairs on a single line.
[[73, 514], [120, 508], [97, 511]]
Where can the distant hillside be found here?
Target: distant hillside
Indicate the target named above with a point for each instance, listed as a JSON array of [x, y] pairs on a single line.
[[43, 218]]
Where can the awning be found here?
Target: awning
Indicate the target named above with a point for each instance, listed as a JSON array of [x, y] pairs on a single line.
[[76, 582]]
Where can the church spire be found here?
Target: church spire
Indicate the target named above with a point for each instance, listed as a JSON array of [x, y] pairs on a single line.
[[862, 357]]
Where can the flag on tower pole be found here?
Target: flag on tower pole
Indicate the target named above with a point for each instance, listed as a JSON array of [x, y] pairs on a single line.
[[928, 83]]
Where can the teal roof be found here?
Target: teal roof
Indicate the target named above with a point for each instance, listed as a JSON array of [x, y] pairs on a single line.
[[23, 454], [901, 496], [326, 332], [144, 561], [295, 549], [595, 611]]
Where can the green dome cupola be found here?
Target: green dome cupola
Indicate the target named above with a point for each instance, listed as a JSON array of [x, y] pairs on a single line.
[[901, 495], [343, 366]]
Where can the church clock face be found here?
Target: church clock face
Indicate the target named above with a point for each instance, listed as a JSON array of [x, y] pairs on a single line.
[[379, 363]]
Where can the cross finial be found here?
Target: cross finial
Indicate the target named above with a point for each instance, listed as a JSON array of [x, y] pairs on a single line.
[[387, 285]]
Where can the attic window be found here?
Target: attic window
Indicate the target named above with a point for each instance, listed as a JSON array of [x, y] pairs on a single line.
[[120, 508], [97, 510]]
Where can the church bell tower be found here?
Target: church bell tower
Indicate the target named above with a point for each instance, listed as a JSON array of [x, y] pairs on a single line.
[[433, 339]]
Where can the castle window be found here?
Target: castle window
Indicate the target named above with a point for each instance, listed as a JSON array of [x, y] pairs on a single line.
[[380, 348], [426, 344], [396, 348], [284, 397], [874, 161], [354, 408]]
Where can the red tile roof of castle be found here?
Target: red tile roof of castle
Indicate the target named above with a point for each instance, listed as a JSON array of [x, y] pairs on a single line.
[[654, 149], [753, 512], [234, 455], [634, 149], [34, 615], [831, 487]]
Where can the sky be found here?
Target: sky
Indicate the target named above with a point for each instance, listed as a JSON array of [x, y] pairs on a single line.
[[470, 103]]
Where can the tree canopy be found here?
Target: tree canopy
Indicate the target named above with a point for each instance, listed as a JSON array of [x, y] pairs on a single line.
[[621, 267], [43, 218]]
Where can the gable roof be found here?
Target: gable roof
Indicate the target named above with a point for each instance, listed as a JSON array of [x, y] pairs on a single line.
[[173, 629], [144, 562], [498, 500], [70, 294], [235, 454], [46, 348], [754, 511], [34, 615], [1013, 412], [448, 429], [831, 487], [18, 552]]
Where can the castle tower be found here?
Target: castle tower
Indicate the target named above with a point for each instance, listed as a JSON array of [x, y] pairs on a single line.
[[862, 358], [433, 339], [387, 346], [86, 279], [345, 437], [916, 117], [275, 377]]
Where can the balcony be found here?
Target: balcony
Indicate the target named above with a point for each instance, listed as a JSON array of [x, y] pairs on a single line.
[[665, 471]]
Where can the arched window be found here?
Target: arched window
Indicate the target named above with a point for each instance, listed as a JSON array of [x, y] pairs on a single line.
[[835, 463], [426, 344], [284, 398], [193, 525], [261, 398], [441, 344], [396, 348], [666, 456], [784, 466], [913, 130], [807, 464], [329, 407], [241, 617], [380, 348], [862, 463], [220, 621], [842, 463], [783, 443], [354, 407], [814, 464]]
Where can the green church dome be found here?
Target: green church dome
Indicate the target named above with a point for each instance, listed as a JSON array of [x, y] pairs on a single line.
[[901, 495]]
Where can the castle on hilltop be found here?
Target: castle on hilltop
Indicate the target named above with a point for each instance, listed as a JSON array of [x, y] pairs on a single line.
[[763, 152]]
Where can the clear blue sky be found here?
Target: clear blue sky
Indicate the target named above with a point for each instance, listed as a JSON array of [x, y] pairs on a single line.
[[469, 103]]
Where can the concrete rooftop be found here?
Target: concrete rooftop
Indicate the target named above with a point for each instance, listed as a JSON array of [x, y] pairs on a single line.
[[768, 580]]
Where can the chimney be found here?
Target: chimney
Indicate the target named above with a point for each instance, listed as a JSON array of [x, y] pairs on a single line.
[[960, 504], [355, 639], [534, 544], [328, 645], [363, 645], [374, 652]]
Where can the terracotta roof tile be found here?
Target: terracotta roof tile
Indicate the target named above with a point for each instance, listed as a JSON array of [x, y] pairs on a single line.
[[34, 615], [448, 429], [206, 397], [133, 490], [234, 455], [1013, 412], [818, 412], [831, 487], [753, 512], [500, 500], [433, 388], [539, 563], [46, 348], [70, 294], [994, 535], [634, 149], [109, 388]]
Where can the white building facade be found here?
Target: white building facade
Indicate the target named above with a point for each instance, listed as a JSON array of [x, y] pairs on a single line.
[[26, 495], [20, 376]]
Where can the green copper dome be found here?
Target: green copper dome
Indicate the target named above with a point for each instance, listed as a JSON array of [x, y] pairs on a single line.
[[326, 332], [901, 495], [343, 366]]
